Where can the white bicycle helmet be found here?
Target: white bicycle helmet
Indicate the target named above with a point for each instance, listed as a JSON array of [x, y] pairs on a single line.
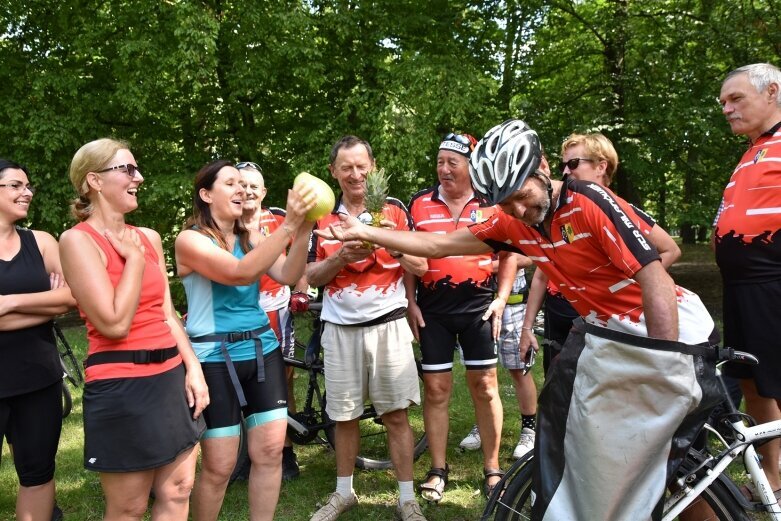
[[503, 159]]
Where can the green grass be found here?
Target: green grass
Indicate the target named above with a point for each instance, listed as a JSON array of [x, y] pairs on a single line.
[[80, 496]]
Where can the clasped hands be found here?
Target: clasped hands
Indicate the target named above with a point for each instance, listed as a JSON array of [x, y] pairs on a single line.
[[355, 238]]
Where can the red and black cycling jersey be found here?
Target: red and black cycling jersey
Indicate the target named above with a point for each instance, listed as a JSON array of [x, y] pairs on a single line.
[[640, 217], [458, 284], [595, 247], [748, 227]]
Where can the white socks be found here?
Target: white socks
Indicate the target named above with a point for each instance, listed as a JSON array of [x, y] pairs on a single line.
[[344, 486], [406, 491]]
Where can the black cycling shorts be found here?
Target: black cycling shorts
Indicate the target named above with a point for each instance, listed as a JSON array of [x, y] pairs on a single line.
[[32, 423], [442, 332], [266, 401], [751, 324]]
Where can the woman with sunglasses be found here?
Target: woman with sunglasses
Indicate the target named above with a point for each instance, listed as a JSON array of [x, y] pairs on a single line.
[[586, 157], [32, 292], [220, 263], [144, 389]]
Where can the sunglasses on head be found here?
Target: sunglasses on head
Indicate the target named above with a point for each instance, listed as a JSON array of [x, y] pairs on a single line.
[[248, 164], [573, 163], [464, 139], [130, 169]]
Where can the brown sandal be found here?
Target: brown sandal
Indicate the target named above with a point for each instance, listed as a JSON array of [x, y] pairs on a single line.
[[433, 492], [490, 473]]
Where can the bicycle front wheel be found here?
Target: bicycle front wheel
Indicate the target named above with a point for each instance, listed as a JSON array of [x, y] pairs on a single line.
[[515, 502], [721, 505]]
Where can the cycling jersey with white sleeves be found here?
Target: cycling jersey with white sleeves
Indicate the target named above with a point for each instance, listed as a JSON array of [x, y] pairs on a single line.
[[368, 289], [594, 249]]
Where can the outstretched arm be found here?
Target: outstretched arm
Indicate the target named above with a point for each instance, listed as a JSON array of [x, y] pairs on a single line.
[[422, 244]]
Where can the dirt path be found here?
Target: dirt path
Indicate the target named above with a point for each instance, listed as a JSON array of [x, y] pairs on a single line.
[[697, 271]]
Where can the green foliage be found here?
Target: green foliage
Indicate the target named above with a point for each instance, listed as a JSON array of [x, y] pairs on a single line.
[[278, 82]]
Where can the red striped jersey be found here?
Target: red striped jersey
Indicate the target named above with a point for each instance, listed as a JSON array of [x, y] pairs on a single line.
[[596, 246], [748, 227], [458, 284]]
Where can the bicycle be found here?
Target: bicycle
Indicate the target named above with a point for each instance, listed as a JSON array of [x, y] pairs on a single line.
[[71, 371], [701, 475], [311, 424]]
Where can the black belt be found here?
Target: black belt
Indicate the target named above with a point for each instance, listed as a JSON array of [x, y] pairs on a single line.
[[705, 350], [135, 356], [239, 336]]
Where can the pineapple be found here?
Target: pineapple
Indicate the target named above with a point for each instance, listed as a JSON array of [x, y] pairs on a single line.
[[376, 193]]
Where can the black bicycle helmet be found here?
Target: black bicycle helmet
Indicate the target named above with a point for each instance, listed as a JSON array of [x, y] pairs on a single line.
[[503, 159]]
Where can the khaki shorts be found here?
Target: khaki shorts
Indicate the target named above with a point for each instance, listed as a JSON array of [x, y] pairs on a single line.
[[369, 363]]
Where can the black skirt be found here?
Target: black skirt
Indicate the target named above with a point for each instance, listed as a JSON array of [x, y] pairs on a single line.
[[133, 424]]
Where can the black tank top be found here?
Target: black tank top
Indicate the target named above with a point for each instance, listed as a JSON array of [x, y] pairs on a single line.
[[28, 357]]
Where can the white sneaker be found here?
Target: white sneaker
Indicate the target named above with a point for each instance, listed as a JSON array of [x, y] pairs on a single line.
[[410, 511], [525, 443], [335, 505], [472, 440]]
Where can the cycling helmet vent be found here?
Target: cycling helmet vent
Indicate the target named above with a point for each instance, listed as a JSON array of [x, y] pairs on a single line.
[[503, 159]]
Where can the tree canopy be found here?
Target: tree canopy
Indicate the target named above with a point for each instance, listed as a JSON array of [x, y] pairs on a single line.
[[186, 82]]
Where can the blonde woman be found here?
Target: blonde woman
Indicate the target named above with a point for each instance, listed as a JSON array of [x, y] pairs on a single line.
[[145, 390]]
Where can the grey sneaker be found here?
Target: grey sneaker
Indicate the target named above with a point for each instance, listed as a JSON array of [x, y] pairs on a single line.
[[525, 443], [410, 511], [472, 440], [335, 505]]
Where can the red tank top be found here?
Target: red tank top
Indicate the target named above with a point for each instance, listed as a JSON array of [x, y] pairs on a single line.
[[148, 329]]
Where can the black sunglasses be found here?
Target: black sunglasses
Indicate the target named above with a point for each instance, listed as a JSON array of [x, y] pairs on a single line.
[[248, 164], [130, 169], [573, 163]]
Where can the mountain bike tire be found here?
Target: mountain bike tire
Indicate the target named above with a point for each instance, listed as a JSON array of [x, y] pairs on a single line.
[[515, 502]]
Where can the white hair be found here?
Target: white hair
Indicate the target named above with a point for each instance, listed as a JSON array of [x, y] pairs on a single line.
[[760, 75]]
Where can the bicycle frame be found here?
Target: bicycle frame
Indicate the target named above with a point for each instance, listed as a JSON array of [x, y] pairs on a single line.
[[745, 437]]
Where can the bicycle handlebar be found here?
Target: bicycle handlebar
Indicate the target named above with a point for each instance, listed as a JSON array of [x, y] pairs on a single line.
[[727, 354]]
